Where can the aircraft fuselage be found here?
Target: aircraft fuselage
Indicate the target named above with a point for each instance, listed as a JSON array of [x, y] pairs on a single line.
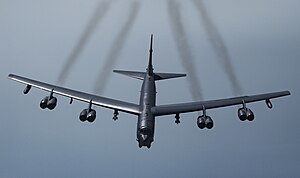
[[146, 120], [147, 109]]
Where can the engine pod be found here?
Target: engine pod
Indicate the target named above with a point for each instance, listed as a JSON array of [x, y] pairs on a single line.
[[201, 122], [52, 103], [83, 115], [91, 116], [242, 114], [209, 123], [44, 101]]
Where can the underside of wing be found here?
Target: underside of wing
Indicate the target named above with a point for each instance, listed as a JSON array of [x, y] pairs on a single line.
[[201, 105], [78, 95]]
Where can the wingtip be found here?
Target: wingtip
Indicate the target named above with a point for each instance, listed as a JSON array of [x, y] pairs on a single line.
[[10, 76]]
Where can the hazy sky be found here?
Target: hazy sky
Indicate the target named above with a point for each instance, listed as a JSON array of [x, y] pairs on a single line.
[[262, 39]]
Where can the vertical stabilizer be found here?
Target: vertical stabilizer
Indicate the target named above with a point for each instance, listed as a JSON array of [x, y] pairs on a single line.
[[142, 75], [150, 67]]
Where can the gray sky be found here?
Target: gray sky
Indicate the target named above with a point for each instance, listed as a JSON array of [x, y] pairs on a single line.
[[263, 40]]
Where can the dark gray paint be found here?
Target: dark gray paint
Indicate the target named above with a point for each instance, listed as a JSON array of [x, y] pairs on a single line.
[[147, 109]]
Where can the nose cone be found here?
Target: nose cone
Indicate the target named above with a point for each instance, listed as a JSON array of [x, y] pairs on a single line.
[[144, 137]]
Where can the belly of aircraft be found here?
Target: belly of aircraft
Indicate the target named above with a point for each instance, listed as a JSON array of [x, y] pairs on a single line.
[[145, 131]]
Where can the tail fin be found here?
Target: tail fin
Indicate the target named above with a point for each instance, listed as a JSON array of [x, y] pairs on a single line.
[[157, 76], [150, 66], [141, 75]]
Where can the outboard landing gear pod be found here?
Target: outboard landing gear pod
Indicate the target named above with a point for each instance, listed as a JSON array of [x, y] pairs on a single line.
[[27, 89]]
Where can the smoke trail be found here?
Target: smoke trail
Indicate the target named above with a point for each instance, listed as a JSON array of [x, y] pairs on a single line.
[[183, 48], [218, 46], [99, 13], [116, 49]]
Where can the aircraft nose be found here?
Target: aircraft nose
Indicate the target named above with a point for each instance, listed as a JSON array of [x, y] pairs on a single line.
[[144, 137]]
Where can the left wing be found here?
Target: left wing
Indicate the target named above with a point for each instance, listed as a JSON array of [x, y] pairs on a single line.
[[81, 96], [202, 105]]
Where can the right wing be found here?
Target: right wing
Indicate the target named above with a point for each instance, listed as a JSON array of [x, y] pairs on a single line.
[[201, 105], [81, 96]]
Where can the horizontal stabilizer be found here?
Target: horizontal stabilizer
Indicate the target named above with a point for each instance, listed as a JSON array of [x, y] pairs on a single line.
[[141, 75], [133, 74], [162, 76]]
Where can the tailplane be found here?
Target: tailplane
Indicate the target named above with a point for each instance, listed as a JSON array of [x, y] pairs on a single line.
[[157, 76]]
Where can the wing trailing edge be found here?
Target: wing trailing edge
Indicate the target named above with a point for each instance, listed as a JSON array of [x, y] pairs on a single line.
[[78, 95], [211, 104]]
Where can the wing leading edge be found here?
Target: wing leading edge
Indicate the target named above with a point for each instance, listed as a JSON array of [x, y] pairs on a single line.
[[134, 108], [81, 96], [200, 105]]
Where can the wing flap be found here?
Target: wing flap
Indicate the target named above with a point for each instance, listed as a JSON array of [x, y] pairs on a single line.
[[78, 95], [198, 106]]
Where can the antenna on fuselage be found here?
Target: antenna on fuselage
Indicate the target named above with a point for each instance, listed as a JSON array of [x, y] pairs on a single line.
[[150, 67]]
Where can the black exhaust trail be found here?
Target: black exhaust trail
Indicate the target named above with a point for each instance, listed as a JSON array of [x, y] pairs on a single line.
[[183, 48], [218, 46], [95, 20], [116, 48]]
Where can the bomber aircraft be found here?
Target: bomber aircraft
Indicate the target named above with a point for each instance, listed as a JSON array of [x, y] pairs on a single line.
[[146, 110]]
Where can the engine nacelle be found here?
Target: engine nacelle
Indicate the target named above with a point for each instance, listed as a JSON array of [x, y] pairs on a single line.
[[250, 115], [245, 114], [83, 115], [209, 123], [88, 114], [44, 102], [201, 122], [91, 115], [51, 104], [242, 114], [205, 121]]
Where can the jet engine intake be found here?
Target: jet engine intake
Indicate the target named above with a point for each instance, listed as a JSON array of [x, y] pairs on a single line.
[[201, 122], [91, 116], [48, 102], [245, 114], [88, 114], [44, 101], [83, 115], [205, 121], [209, 123], [51, 104]]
